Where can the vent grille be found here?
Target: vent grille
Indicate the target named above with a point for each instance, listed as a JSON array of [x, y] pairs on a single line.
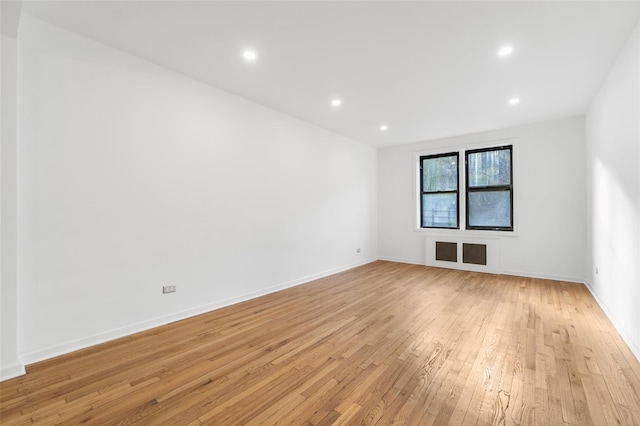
[[475, 254], [465, 253], [447, 252]]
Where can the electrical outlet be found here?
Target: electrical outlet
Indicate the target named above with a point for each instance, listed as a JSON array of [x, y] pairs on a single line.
[[168, 289]]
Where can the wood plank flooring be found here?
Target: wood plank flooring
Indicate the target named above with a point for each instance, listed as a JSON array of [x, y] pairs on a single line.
[[381, 344]]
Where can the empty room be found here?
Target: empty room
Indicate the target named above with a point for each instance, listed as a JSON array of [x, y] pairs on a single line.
[[320, 213]]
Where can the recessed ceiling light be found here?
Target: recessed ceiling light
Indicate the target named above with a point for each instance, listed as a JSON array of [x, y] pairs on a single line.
[[505, 51], [249, 55], [336, 102], [384, 127], [514, 101]]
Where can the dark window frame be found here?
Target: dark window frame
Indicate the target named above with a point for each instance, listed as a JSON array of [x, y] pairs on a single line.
[[490, 188], [457, 190]]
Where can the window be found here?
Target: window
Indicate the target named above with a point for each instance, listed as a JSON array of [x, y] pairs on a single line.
[[489, 189], [439, 191], [486, 182]]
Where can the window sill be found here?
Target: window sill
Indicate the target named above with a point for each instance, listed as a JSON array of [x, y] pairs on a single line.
[[471, 233]]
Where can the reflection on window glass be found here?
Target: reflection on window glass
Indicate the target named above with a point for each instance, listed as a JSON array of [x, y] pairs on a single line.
[[440, 210], [490, 189], [487, 200], [490, 208], [489, 168], [440, 174], [439, 191]]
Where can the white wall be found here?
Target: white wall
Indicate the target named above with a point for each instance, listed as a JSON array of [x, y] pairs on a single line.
[[133, 177], [10, 365], [613, 158], [549, 200]]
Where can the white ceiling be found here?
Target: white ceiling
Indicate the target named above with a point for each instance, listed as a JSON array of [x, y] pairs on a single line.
[[426, 69]]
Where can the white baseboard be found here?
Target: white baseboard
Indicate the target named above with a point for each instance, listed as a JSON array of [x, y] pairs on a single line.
[[634, 347], [571, 279], [18, 369], [10, 371], [566, 278], [398, 260], [67, 347]]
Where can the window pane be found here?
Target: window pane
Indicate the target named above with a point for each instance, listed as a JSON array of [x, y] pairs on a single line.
[[490, 208], [440, 174], [440, 210], [489, 168]]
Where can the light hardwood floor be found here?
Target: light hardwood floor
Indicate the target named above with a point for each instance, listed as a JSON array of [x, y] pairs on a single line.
[[382, 344]]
